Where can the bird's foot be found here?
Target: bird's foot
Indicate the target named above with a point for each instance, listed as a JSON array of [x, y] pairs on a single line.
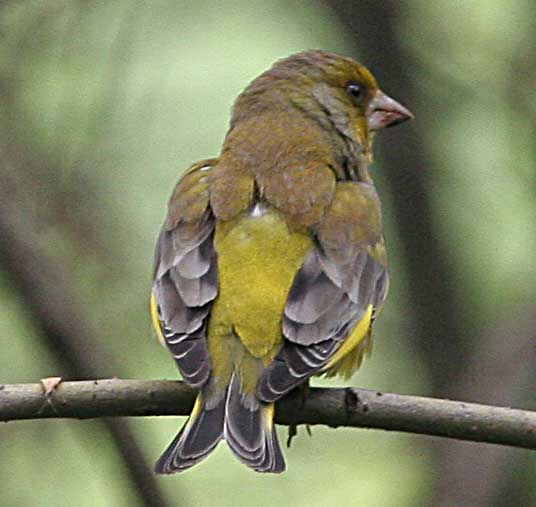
[[304, 390]]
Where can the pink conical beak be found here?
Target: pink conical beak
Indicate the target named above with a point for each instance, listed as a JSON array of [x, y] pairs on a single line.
[[383, 111]]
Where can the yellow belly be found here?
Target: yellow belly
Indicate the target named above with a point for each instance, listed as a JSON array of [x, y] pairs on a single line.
[[258, 258]]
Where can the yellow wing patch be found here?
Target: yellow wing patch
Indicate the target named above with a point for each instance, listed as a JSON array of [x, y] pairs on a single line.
[[155, 319], [337, 364]]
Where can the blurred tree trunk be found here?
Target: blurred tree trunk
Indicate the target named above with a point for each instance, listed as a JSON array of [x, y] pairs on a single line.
[[468, 475], [409, 176], [58, 316], [498, 372], [35, 205]]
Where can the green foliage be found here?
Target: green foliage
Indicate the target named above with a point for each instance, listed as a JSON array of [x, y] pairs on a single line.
[[111, 101]]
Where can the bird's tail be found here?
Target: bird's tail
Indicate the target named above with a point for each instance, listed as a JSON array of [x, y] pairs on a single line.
[[244, 421], [198, 437], [250, 430]]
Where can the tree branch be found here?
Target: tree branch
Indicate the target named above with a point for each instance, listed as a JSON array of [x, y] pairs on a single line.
[[332, 407]]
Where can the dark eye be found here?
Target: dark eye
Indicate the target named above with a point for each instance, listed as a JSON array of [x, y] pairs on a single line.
[[356, 91]]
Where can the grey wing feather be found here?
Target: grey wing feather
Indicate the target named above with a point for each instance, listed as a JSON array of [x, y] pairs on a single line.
[[311, 295], [325, 303], [185, 285]]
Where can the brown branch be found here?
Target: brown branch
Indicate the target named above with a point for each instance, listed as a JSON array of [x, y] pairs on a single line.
[[349, 407]]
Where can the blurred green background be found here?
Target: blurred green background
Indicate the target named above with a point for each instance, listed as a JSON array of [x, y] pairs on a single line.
[[104, 104]]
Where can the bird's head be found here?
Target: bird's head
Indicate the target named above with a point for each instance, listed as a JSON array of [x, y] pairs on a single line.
[[336, 91]]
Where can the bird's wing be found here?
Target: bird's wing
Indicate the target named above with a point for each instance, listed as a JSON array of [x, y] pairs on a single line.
[[185, 278], [343, 280]]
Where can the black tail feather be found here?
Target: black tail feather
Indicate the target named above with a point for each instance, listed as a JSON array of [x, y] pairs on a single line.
[[250, 432], [198, 437]]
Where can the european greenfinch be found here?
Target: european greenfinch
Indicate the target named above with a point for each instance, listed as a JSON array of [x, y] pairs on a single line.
[[271, 265]]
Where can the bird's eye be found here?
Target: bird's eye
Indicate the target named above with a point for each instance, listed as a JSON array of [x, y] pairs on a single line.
[[356, 91]]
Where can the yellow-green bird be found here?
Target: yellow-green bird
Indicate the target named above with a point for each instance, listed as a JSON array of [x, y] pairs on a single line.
[[271, 264]]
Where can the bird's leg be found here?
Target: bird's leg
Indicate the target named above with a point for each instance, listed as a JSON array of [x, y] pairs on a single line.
[[292, 432], [303, 390]]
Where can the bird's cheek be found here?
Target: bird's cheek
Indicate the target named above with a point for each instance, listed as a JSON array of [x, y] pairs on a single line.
[[361, 133]]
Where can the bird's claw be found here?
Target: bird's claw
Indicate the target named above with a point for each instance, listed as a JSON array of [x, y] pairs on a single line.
[[304, 390]]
